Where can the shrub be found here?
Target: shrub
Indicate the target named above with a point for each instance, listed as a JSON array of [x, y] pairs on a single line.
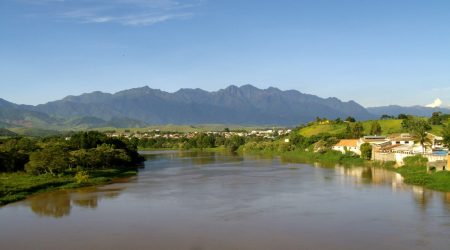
[[81, 177], [416, 160]]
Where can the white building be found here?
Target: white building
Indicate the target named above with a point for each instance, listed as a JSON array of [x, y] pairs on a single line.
[[346, 145]]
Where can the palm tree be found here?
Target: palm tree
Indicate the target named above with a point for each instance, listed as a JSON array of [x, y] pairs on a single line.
[[418, 129]]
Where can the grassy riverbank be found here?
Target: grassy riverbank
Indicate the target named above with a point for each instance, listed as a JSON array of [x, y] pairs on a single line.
[[19, 185], [414, 171]]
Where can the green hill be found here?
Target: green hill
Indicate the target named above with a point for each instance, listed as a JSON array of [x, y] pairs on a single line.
[[387, 126], [316, 129]]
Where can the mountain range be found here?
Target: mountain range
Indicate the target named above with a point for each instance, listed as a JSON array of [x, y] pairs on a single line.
[[137, 107]]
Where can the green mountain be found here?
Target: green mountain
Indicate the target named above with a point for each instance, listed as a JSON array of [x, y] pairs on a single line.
[[232, 105], [23, 116]]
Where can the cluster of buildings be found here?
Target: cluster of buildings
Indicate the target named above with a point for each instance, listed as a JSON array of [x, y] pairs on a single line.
[[153, 134], [396, 147]]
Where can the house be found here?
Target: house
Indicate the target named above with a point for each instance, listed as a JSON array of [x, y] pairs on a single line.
[[375, 141], [401, 139], [437, 142], [346, 145]]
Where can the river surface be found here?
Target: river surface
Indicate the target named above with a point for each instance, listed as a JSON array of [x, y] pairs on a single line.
[[194, 201]]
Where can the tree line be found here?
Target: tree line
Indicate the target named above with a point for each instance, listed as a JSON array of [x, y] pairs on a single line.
[[57, 154]]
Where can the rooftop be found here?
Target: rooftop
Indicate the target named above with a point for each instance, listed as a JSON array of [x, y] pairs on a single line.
[[347, 143]]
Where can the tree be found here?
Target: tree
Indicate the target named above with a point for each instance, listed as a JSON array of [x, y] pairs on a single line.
[[350, 119], [234, 142], [402, 116], [87, 140], [387, 117], [14, 153], [418, 128], [436, 118], [348, 131], [357, 130], [446, 135], [375, 128], [52, 159], [366, 151]]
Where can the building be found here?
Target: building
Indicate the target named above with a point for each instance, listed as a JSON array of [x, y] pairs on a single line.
[[401, 139], [374, 141], [437, 142], [347, 145]]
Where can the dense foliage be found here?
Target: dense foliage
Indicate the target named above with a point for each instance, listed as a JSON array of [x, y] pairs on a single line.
[[366, 151], [199, 141], [53, 155]]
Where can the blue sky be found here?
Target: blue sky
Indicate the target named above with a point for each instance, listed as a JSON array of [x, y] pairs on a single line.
[[372, 51]]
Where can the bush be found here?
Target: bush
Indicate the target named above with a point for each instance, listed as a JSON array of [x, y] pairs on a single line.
[[81, 177], [416, 160], [366, 151]]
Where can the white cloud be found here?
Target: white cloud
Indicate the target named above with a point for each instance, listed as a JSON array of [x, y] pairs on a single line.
[[435, 104], [124, 12]]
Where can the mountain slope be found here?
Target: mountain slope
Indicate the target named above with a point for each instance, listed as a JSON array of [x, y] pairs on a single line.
[[19, 115], [239, 105]]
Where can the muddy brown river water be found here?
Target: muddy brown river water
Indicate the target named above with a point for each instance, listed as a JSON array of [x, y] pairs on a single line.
[[194, 201]]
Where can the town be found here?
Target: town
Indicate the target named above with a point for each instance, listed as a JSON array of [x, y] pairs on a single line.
[[396, 147]]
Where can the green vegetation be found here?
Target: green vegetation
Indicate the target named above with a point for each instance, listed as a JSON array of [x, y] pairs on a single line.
[[199, 141], [31, 165], [415, 172], [375, 128], [418, 128], [327, 158], [385, 127], [316, 129], [390, 126], [366, 151], [18, 185]]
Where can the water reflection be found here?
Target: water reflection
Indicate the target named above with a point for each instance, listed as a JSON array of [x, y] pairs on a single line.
[[52, 204], [58, 204], [224, 201], [381, 177]]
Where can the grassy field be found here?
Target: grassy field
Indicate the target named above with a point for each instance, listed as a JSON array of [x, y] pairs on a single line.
[[17, 186], [316, 129]]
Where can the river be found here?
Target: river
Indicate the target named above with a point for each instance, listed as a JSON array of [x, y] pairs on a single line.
[[195, 201]]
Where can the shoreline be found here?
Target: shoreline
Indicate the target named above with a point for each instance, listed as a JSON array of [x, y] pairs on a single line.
[[20, 185]]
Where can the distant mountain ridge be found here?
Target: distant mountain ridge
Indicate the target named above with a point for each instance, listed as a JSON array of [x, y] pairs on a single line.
[[395, 110], [238, 105], [138, 107]]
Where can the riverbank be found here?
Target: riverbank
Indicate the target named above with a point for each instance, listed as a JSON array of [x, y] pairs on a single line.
[[19, 185], [414, 172]]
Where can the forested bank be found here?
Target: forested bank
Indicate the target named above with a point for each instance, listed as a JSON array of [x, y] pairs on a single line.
[[30, 165]]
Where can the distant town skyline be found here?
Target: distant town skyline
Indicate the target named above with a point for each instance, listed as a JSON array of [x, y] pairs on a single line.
[[373, 52]]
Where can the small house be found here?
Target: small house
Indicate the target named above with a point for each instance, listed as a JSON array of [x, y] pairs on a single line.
[[346, 145]]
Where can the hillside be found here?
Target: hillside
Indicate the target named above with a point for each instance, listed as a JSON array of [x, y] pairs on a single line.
[[387, 126], [6, 132]]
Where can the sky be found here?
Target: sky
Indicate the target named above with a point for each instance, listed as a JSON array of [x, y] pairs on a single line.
[[375, 52]]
